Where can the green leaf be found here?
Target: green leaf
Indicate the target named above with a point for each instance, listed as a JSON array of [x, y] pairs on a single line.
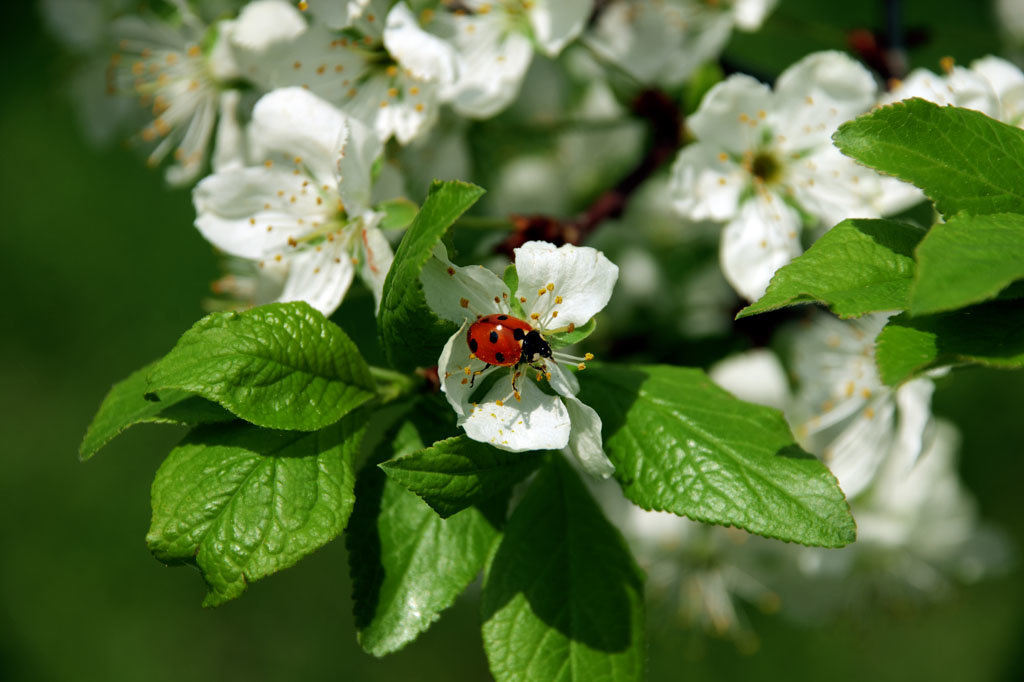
[[511, 280], [962, 159], [398, 213], [411, 333], [457, 473], [563, 599], [241, 503], [968, 259], [681, 444], [407, 563], [564, 339], [125, 405], [282, 365], [991, 334], [857, 267]]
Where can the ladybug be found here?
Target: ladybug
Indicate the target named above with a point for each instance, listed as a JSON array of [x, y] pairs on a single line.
[[504, 341]]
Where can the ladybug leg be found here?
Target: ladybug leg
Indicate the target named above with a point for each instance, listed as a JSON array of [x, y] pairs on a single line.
[[473, 376]]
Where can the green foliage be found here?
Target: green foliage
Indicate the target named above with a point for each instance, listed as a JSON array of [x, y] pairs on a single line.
[[412, 335], [407, 563], [681, 444], [457, 473], [125, 405], [991, 334], [968, 259], [398, 213], [562, 598], [857, 267], [563, 339], [241, 503], [282, 366], [962, 159]]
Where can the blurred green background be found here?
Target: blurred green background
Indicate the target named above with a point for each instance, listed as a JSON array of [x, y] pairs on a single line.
[[105, 271]]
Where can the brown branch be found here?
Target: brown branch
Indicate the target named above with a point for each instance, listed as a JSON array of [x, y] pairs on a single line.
[[666, 124]]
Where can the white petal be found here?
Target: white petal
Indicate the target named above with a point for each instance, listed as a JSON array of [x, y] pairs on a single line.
[[563, 381], [729, 114], [451, 367], [355, 166], [556, 22], [962, 88], [262, 23], [704, 186], [319, 277], [241, 212], [375, 255], [446, 286], [537, 422], [913, 400], [1000, 74], [585, 439], [818, 93], [750, 14], [293, 125], [494, 63], [756, 376], [229, 142], [759, 241], [832, 187], [425, 56], [856, 453], [581, 276]]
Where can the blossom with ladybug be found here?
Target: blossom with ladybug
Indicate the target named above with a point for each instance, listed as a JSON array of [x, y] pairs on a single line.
[[502, 371]]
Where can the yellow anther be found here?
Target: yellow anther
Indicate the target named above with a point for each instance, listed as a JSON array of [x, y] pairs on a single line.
[[554, 314], [550, 286], [392, 92], [541, 291], [558, 299], [467, 370], [588, 356], [534, 316], [947, 64], [547, 375], [581, 366], [499, 403], [464, 302], [391, 71], [522, 299], [869, 413], [572, 327], [414, 90], [303, 5], [518, 397], [866, 392]]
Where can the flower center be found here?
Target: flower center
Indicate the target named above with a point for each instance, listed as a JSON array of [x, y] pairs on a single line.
[[765, 167]]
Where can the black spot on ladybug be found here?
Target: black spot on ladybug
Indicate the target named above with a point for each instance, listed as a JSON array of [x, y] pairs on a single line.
[[500, 357], [493, 337], [472, 345], [502, 317], [518, 334]]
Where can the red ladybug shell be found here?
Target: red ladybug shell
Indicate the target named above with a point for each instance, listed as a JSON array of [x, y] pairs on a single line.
[[498, 339]]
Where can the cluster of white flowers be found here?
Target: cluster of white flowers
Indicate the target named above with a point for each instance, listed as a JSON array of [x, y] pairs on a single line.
[[917, 526], [309, 115]]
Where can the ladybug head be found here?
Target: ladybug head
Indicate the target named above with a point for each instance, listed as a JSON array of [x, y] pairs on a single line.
[[535, 346]]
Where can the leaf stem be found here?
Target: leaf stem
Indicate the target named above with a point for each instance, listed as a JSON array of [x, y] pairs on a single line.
[[487, 223], [392, 385]]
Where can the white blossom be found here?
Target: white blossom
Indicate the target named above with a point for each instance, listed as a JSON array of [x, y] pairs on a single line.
[[764, 161], [664, 42], [305, 205], [559, 289], [166, 67], [495, 41], [384, 70]]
